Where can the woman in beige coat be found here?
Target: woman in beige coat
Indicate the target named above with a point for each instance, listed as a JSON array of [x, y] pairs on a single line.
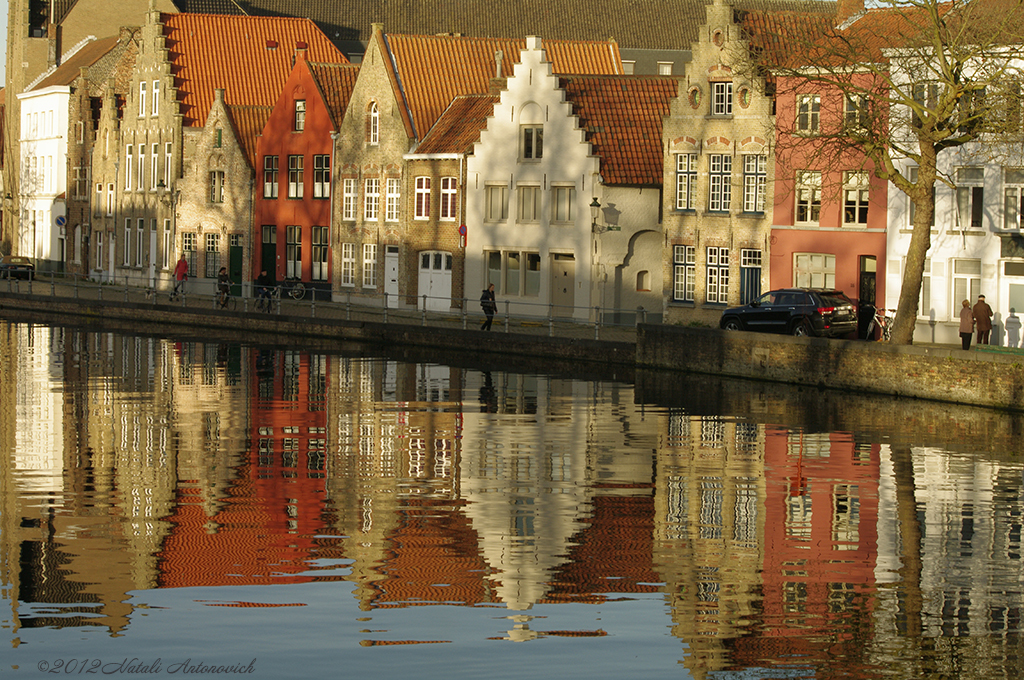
[[966, 324]]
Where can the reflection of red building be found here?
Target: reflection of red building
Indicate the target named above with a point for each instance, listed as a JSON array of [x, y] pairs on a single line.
[[264, 528], [820, 549], [294, 157]]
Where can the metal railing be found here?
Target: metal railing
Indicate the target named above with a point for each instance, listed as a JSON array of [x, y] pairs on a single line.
[[350, 304]]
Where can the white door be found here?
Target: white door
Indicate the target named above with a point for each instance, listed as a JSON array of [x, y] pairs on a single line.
[[391, 275], [435, 281], [563, 285]]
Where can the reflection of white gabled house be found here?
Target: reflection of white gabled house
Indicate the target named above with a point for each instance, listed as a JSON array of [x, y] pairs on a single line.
[[43, 181], [534, 175]]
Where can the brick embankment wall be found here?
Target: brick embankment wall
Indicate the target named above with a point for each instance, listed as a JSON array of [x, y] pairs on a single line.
[[937, 373]]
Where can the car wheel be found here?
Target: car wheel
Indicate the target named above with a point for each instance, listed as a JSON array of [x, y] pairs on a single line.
[[800, 329], [732, 325]]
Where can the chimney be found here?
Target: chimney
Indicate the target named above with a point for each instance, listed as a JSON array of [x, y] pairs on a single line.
[[497, 60]]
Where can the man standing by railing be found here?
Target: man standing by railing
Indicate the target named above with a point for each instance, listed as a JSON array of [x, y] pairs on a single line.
[[489, 305], [180, 276]]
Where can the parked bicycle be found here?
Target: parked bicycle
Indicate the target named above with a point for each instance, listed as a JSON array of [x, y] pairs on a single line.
[[296, 289], [882, 321]]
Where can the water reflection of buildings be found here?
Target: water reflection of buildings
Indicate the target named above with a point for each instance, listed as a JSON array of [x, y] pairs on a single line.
[[133, 463]]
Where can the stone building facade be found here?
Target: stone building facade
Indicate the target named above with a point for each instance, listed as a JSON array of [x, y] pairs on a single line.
[[718, 167]]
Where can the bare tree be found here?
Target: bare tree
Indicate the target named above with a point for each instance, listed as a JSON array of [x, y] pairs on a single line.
[[918, 77]]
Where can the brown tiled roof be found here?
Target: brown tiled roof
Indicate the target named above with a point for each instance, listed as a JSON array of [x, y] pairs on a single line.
[[90, 53], [250, 57], [640, 24], [335, 82], [622, 116], [432, 70], [459, 126], [249, 122]]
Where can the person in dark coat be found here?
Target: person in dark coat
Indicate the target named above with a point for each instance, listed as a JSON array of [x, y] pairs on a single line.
[[983, 320], [489, 305], [966, 324]]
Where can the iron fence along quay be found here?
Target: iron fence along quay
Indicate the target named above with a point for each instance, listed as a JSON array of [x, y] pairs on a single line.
[[347, 304]]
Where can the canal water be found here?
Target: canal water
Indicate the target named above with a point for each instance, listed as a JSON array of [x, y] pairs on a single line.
[[175, 507]]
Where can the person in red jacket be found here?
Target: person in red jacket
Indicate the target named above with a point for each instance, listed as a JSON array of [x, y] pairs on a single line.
[[180, 276]]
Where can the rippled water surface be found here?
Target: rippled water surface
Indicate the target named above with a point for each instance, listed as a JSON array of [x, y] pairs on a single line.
[[174, 507]]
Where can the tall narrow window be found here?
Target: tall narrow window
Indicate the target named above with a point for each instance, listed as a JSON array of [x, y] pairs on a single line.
[[295, 163], [156, 97], [212, 255], [369, 265], [750, 275], [318, 260], [529, 203], [270, 176], [141, 166], [422, 211], [449, 196], [300, 115], [496, 208], [321, 176], [754, 179], [165, 260], [684, 279], [98, 208], [154, 166], [217, 186], [373, 125], [371, 199], [966, 283], [563, 201], [142, 99], [718, 275], [855, 198], [99, 249], [970, 197], [686, 180], [720, 179], [128, 168], [808, 197], [348, 202], [110, 199], [168, 147], [126, 258], [293, 252], [392, 199], [533, 142], [140, 243], [855, 114], [1013, 198], [348, 264]]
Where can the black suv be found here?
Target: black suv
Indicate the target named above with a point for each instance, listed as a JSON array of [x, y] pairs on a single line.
[[795, 311]]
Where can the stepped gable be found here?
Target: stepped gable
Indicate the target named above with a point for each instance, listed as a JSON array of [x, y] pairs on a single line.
[[335, 82], [622, 116], [458, 128], [249, 57], [634, 24], [431, 71]]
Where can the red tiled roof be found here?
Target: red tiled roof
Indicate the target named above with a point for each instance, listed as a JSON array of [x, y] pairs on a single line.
[[249, 122], [459, 126], [335, 82], [431, 71], [250, 57], [622, 116]]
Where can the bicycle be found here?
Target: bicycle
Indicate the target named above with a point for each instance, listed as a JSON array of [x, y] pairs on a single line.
[[296, 289], [883, 321], [265, 299], [225, 300]]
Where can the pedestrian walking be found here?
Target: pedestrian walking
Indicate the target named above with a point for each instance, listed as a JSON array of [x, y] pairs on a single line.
[[180, 276], [966, 324], [983, 320], [489, 305]]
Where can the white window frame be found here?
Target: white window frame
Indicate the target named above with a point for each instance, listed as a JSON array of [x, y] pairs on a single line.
[[296, 181], [156, 97], [374, 124], [686, 181], [319, 253], [422, 198], [271, 170], [349, 195], [371, 198], [128, 167], [369, 265], [965, 284], [348, 265], [721, 98], [808, 114], [299, 121], [814, 270], [563, 204], [1013, 197], [755, 180], [449, 208], [496, 202], [684, 273], [717, 267], [321, 175], [807, 195], [110, 199], [528, 203], [856, 197], [154, 166], [127, 245], [142, 99], [531, 143], [719, 182], [392, 199], [970, 198], [140, 242], [166, 259]]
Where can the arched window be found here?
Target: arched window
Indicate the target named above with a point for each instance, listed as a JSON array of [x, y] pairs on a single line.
[[373, 131]]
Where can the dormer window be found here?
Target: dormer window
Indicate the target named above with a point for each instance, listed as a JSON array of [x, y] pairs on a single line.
[[300, 115], [533, 142]]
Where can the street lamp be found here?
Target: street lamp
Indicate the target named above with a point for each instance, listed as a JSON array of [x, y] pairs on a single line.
[[595, 209]]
